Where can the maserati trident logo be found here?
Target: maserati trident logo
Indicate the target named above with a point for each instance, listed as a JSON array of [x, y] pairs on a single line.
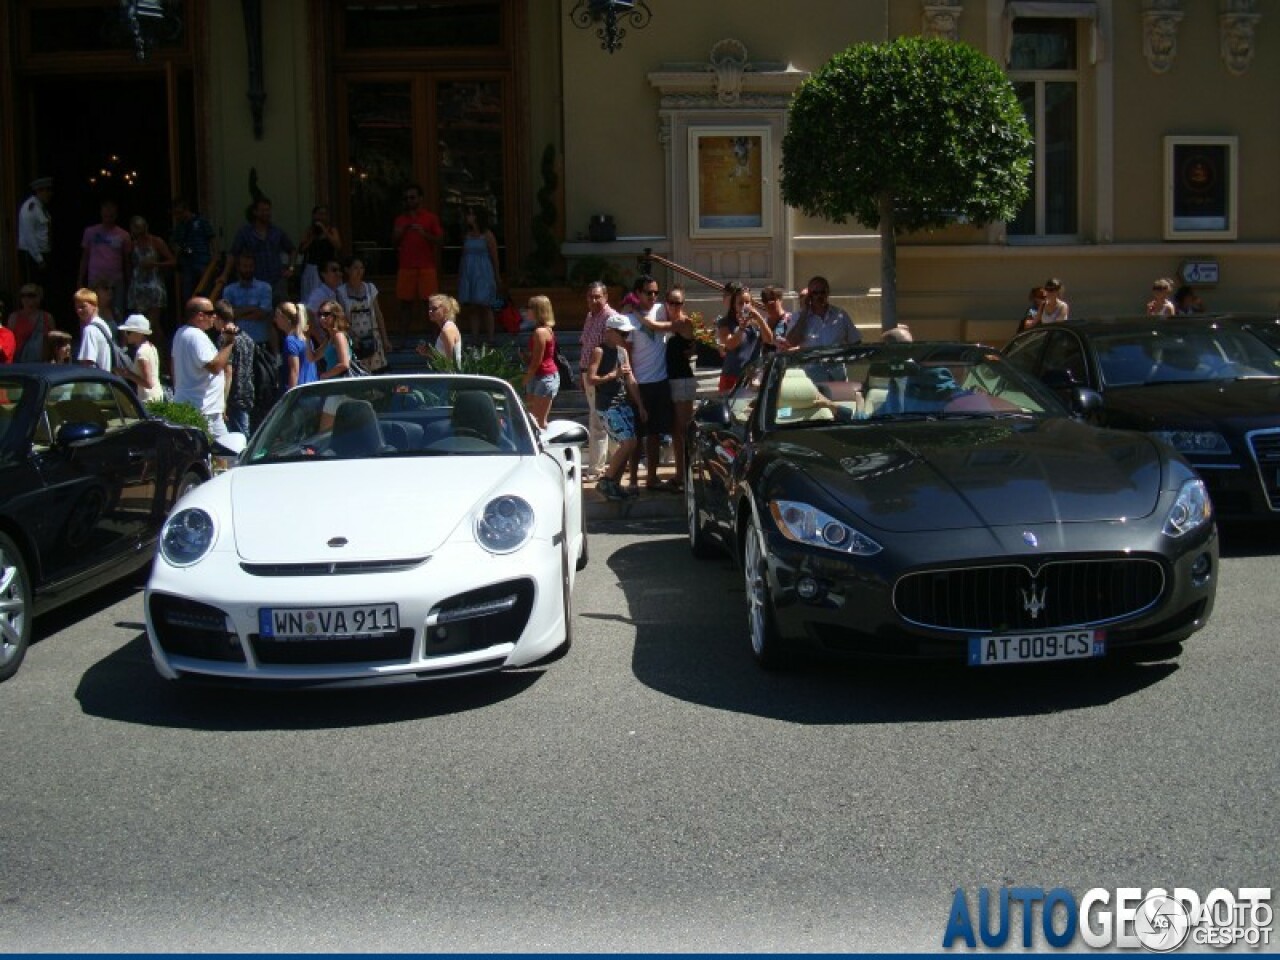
[[1033, 602]]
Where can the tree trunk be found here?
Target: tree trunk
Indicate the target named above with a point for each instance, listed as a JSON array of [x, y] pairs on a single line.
[[888, 265]]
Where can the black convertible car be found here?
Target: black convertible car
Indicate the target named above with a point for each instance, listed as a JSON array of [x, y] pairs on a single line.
[[86, 480], [926, 500], [1210, 387]]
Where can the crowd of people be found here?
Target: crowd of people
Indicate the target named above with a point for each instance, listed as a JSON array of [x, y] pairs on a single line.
[[308, 312]]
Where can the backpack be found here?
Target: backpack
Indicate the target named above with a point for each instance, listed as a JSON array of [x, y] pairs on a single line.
[[266, 382]]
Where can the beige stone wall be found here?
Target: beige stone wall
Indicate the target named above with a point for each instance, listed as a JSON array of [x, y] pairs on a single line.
[[614, 162], [285, 156]]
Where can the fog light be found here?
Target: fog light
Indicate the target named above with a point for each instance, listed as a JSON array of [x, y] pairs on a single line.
[[1201, 569], [807, 588]]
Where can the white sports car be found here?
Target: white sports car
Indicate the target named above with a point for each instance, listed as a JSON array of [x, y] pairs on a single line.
[[376, 529]]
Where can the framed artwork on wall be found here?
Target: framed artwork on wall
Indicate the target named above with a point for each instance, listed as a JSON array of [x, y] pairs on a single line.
[[731, 181], [1200, 188]]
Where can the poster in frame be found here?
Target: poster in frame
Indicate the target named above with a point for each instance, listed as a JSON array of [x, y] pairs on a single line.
[[1200, 188], [730, 181]]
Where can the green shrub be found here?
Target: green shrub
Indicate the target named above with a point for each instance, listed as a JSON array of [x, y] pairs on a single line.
[[485, 361], [182, 414]]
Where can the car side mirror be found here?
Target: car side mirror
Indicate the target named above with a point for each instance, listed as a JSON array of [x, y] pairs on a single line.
[[78, 431], [565, 433], [713, 413], [1085, 401]]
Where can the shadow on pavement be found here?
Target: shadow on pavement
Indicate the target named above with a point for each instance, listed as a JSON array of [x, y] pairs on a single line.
[[1239, 538], [691, 643], [124, 686]]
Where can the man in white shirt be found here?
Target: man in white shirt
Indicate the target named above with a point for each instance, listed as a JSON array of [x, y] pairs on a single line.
[[820, 323], [198, 365], [95, 335], [33, 232]]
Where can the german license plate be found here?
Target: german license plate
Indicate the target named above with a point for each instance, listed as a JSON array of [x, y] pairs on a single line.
[[370, 620], [1037, 647]]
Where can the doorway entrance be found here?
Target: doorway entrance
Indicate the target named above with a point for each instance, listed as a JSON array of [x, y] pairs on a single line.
[[112, 142]]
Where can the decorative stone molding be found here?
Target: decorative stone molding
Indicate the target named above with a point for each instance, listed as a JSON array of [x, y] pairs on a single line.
[[1237, 21], [1160, 22], [729, 61], [940, 19]]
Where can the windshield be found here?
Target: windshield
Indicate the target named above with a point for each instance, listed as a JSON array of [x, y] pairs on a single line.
[[902, 381], [1182, 355], [388, 416]]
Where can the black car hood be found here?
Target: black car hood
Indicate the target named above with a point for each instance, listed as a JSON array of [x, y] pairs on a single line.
[[919, 476], [1252, 403]]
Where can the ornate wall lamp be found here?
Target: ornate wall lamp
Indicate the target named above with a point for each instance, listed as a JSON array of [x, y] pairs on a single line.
[[149, 22], [608, 17]]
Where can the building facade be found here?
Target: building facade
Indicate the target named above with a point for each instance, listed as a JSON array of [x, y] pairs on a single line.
[[1155, 136]]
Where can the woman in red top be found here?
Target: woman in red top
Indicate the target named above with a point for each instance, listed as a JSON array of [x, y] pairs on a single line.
[[542, 378], [29, 324]]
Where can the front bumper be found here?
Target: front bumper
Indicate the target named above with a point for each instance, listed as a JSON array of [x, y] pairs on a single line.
[[461, 611], [853, 611]]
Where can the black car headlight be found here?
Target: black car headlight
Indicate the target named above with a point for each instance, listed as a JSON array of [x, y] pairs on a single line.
[[1194, 441], [505, 524], [187, 536], [806, 524], [1190, 509]]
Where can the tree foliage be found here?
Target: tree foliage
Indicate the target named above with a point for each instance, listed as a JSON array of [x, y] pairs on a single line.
[[933, 125]]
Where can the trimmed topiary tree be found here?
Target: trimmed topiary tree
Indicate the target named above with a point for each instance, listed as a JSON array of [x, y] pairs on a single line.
[[906, 135]]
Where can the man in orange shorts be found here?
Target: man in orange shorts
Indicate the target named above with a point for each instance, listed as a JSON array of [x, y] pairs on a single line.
[[416, 236]]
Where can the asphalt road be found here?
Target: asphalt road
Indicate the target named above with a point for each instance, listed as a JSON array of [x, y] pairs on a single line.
[[652, 791]]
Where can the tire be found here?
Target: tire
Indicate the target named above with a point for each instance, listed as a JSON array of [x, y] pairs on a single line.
[[566, 594], [766, 644], [190, 480], [699, 541], [15, 608], [584, 554]]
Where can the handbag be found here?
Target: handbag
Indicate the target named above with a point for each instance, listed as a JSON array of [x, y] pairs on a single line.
[[567, 380], [354, 369], [366, 346]]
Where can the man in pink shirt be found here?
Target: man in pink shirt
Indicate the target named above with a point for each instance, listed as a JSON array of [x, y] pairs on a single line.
[[416, 236], [105, 254]]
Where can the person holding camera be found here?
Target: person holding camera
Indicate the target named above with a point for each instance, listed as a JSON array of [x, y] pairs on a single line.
[[198, 364], [741, 332], [820, 323], [320, 244]]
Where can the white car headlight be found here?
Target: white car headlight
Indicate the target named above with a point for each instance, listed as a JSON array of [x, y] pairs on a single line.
[[1191, 509], [1194, 441], [187, 536], [505, 524], [809, 525]]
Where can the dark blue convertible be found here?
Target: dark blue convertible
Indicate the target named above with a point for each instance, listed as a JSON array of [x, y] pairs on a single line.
[[86, 480]]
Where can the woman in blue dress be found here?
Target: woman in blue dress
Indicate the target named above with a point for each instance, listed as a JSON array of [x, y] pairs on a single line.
[[478, 274]]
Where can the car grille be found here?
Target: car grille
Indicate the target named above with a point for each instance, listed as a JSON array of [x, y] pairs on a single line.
[[395, 648], [1012, 598], [185, 628], [480, 618], [1265, 446], [328, 568]]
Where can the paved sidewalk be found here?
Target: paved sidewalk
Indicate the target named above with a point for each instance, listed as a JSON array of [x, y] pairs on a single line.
[[648, 504]]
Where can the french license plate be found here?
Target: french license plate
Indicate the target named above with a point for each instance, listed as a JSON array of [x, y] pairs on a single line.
[[370, 620], [1037, 647]]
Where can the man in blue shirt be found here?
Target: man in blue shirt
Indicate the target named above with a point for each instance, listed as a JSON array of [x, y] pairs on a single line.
[[193, 243], [251, 299]]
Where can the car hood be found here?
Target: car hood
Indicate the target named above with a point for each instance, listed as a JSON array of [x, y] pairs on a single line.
[[1251, 403], [393, 508], [920, 476]]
